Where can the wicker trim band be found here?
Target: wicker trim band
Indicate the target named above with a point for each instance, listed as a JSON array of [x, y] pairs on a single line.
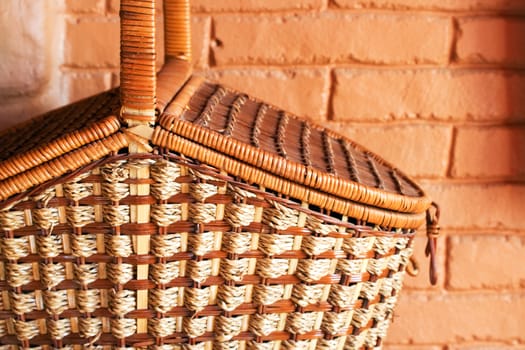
[[60, 146], [252, 174], [277, 164], [177, 29], [138, 56], [137, 60], [61, 165]]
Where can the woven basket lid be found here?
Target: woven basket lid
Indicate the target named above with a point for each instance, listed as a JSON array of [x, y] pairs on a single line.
[[253, 140], [271, 139], [225, 129]]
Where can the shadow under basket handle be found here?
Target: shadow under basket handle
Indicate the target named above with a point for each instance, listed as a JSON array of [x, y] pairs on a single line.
[[137, 52]]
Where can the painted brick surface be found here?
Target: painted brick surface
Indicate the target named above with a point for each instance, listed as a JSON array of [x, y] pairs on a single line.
[[330, 37], [420, 150], [409, 347], [489, 152], [200, 30], [449, 95], [481, 40], [255, 5], [86, 6], [300, 91], [429, 318], [113, 6], [92, 44], [480, 205], [437, 87], [22, 67], [481, 346], [475, 255], [450, 5], [82, 85]]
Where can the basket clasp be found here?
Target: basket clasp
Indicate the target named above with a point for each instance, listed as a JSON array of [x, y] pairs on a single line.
[[433, 214]]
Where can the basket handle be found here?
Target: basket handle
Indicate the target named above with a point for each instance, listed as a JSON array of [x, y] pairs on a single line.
[[137, 52]]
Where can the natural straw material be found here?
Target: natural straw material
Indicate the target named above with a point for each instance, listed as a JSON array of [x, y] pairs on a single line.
[[229, 264], [178, 214]]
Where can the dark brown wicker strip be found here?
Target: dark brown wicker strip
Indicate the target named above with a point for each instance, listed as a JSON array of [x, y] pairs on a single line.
[[305, 144], [351, 164], [329, 153], [257, 124], [234, 112], [397, 181], [204, 118], [281, 134], [373, 169]]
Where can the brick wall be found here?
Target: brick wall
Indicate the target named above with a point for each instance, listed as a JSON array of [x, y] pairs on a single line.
[[435, 86]]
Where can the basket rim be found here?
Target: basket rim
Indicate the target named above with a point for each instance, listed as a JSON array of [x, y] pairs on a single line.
[[286, 168], [383, 219], [113, 136]]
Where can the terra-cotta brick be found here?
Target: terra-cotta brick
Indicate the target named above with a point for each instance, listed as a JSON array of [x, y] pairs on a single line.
[[81, 85], [454, 5], [496, 40], [331, 37], [23, 48], [255, 5], [419, 150], [92, 44], [421, 318], [479, 205], [489, 152], [388, 346], [486, 261], [303, 92], [200, 39], [444, 94], [114, 6], [86, 6], [484, 346]]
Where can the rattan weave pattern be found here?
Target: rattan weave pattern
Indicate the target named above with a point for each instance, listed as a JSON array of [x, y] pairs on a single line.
[[267, 137], [229, 265], [178, 214], [45, 129], [339, 206], [270, 129]]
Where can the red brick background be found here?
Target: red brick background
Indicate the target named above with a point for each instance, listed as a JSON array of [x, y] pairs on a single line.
[[435, 86]]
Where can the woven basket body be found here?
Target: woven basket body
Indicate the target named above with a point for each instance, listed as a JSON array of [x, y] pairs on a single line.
[[215, 222], [221, 264]]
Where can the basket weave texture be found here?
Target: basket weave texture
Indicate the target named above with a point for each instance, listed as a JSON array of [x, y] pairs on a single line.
[[201, 218], [226, 264]]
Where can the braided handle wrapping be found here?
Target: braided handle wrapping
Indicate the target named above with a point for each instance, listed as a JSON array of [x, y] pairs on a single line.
[[138, 57]]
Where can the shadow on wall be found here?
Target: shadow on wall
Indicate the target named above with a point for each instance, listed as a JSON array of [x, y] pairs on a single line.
[[29, 59], [514, 34], [497, 46]]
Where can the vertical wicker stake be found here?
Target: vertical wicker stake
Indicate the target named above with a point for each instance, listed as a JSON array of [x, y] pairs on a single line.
[[139, 100], [138, 85]]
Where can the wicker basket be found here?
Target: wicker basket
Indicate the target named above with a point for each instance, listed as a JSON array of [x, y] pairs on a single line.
[[176, 213]]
